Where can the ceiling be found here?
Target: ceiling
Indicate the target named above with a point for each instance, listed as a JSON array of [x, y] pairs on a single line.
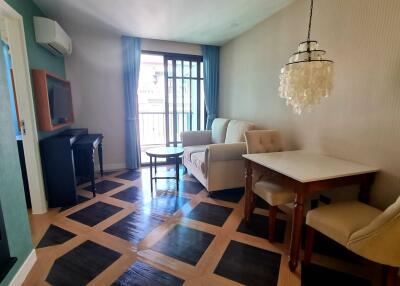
[[193, 21]]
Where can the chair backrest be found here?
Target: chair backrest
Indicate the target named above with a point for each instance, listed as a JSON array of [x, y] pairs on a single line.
[[263, 141], [218, 130], [236, 130], [379, 241]]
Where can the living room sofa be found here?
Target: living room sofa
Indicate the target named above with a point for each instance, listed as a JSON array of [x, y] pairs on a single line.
[[214, 157]]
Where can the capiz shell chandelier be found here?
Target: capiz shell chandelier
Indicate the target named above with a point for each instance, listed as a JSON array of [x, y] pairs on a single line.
[[307, 78]]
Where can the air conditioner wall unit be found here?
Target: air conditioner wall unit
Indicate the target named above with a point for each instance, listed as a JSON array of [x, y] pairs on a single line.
[[50, 35]]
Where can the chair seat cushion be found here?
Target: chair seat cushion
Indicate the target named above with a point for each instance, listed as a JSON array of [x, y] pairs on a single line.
[[190, 150], [198, 159], [339, 220], [273, 194]]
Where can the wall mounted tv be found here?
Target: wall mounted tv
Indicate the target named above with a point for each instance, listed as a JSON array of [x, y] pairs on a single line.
[[53, 101]]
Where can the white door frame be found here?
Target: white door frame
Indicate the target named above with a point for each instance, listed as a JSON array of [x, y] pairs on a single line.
[[13, 31]]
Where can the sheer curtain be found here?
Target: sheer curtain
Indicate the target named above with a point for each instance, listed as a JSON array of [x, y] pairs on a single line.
[[211, 81], [131, 65]]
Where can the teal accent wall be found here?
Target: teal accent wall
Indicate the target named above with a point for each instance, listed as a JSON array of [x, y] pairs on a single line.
[[12, 196], [11, 187], [38, 57]]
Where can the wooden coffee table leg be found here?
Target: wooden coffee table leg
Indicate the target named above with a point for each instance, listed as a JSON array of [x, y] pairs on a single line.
[[151, 173], [298, 215], [177, 173]]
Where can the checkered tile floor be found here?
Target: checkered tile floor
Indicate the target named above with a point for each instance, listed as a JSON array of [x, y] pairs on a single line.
[[128, 236]]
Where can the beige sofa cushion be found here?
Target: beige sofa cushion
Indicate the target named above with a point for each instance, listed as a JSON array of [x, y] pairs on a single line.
[[218, 130], [236, 130], [338, 221], [190, 150], [198, 160]]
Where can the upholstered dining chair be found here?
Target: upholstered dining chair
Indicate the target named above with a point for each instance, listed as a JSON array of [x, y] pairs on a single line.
[[363, 229], [267, 188]]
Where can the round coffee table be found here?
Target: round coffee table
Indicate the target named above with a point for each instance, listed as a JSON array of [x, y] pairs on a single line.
[[164, 152]]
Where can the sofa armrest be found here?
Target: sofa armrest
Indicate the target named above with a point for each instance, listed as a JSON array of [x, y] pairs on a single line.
[[195, 138], [225, 152]]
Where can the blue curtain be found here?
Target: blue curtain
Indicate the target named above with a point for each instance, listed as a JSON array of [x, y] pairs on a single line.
[[211, 82], [131, 65]]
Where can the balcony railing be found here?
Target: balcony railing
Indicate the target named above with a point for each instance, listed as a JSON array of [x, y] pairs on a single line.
[[153, 130]]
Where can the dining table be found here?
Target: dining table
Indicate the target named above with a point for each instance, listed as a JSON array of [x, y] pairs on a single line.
[[306, 173]]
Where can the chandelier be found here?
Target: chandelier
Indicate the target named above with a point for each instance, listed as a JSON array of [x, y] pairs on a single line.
[[307, 78]]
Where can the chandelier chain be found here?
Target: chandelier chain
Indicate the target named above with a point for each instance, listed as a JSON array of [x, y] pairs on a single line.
[[309, 22]]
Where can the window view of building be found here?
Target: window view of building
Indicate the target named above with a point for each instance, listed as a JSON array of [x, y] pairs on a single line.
[[165, 112]]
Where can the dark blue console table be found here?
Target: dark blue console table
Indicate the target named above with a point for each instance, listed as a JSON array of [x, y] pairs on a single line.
[[65, 157]]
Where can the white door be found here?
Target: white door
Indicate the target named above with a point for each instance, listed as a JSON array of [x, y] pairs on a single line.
[[12, 32]]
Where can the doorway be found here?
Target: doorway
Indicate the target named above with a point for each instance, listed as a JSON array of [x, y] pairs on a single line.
[[171, 99], [12, 33]]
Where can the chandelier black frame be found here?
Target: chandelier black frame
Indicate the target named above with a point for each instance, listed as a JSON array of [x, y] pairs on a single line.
[[308, 41]]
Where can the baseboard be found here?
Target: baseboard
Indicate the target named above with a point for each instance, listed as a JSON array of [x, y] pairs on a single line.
[[21, 274], [111, 167]]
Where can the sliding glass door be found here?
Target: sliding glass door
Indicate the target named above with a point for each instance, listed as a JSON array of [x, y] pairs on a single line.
[[184, 95], [171, 99]]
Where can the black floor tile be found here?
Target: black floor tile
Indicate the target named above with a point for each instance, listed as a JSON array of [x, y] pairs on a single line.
[[130, 175], [184, 244], [249, 265], [104, 186], [81, 265], [315, 275], [165, 204], [95, 213], [55, 235], [229, 195], [81, 199], [190, 187], [328, 247], [210, 213], [142, 274], [162, 185], [130, 195], [107, 173], [258, 226], [135, 227]]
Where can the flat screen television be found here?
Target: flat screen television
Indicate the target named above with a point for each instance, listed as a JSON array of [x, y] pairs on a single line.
[[60, 103], [53, 101]]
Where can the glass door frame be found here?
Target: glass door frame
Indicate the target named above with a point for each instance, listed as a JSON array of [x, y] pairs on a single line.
[[177, 57], [180, 57]]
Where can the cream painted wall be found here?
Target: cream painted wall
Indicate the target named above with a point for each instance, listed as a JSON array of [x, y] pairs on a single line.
[[95, 72], [361, 119]]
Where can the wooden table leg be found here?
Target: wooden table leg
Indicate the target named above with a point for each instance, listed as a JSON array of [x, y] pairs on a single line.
[[91, 170], [298, 214], [100, 151], [248, 190], [365, 187]]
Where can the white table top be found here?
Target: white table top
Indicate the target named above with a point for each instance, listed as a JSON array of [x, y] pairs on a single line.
[[307, 167]]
